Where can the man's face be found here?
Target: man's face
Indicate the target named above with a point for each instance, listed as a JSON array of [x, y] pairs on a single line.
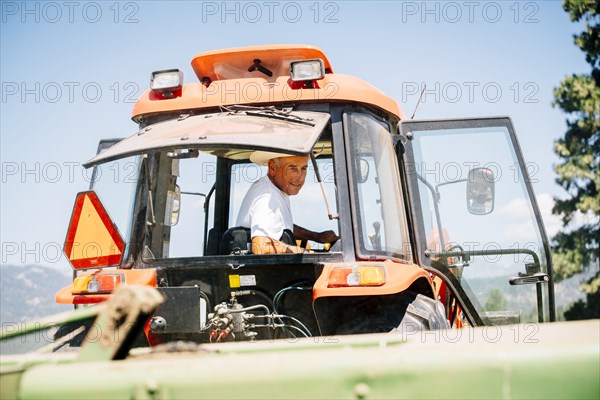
[[288, 173]]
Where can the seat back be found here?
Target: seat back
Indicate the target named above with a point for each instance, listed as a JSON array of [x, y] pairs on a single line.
[[237, 240]]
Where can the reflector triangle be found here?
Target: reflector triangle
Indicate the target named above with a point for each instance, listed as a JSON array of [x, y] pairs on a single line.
[[93, 240]]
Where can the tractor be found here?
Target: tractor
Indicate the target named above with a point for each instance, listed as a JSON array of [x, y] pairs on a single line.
[[437, 221]]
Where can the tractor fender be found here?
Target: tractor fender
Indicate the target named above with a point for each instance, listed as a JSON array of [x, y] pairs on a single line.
[[398, 278]]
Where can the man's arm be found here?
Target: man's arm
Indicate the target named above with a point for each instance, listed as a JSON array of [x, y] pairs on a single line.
[[266, 245], [301, 233]]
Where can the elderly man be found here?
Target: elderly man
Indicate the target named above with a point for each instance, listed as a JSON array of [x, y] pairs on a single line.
[[266, 208]]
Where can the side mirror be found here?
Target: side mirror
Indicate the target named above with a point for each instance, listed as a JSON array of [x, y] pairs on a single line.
[[480, 191], [362, 170], [173, 207]]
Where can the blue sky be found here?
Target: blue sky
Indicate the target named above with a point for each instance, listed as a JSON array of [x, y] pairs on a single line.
[[70, 72]]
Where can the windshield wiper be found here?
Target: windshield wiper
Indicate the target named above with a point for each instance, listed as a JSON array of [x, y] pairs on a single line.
[[284, 114]]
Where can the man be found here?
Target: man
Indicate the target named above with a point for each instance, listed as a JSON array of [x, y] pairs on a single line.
[[266, 207]]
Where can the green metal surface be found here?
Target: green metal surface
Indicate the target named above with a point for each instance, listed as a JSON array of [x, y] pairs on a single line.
[[12, 368], [560, 360], [53, 321], [124, 316]]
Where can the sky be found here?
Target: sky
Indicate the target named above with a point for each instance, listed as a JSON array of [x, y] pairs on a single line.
[[71, 71]]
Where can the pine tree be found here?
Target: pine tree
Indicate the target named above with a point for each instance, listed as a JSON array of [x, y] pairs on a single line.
[[576, 247]]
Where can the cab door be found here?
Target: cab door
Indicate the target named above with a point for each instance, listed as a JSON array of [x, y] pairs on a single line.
[[477, 224]]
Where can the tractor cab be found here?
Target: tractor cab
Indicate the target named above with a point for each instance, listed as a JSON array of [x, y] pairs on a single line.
[[437, 221]]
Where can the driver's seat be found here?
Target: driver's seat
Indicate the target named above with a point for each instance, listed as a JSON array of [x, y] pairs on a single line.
[[237, 240]]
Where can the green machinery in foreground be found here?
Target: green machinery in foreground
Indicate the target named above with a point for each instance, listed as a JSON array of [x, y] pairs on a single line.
[[528, 361]]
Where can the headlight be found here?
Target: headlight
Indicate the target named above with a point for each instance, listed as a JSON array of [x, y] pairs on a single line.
[[307, 70], [166, 82]]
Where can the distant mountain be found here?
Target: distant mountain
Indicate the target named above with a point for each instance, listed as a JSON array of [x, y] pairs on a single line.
[[523, 297], [27, 292]]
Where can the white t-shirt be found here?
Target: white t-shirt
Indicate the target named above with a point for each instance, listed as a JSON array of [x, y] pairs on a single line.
[[265, 210]]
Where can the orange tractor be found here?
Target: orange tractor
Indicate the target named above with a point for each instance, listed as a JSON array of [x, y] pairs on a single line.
[[162, 207]]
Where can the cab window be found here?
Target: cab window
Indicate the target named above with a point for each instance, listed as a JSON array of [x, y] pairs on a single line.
[[380, 215]]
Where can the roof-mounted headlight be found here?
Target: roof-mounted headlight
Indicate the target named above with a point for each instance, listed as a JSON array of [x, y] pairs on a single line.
[[307, 70], [166, 82]]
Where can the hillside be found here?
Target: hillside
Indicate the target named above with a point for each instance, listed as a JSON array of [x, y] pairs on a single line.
[[27, 294], [522, 297]]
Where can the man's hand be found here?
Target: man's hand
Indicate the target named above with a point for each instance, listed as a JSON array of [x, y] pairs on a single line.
[[266, 245], [301, 233], [327, 237]]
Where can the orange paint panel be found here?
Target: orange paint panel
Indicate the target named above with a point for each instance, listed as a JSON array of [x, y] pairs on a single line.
[[234, 63], [398, 278], [332, 88]]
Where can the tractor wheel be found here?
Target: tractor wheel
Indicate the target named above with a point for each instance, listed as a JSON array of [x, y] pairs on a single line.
[[423, 314], [402, 313]]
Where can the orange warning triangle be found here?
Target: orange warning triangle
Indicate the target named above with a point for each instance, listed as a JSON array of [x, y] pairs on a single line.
[[93, 240]]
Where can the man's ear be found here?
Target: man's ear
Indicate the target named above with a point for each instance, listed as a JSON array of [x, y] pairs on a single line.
[[271, 167]]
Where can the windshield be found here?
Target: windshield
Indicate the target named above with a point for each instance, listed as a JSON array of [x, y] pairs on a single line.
[[115, 184], [196, 192], [381, 222], [308, 205], [500, 259], [195, 178]]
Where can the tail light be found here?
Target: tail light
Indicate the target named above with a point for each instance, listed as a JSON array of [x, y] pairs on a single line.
[[100, 283], [364, 275]]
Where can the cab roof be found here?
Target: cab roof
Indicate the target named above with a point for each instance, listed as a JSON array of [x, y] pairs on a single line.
[[233, 134], [260, 75], [235, 63]]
